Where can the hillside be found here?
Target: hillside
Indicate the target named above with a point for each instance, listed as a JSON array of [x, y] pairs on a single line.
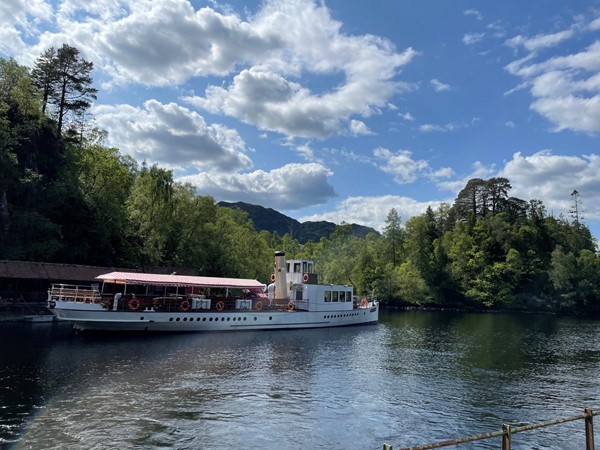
[[272, 221]]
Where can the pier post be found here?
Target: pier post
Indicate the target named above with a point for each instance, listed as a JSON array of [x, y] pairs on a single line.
[[589, 429], [505, 437]]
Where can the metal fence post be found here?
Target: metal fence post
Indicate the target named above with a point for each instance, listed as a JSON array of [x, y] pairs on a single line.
[[505, 437], [589, 429]]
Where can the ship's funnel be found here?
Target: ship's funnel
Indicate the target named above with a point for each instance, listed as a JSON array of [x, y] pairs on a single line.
[[281, 287]]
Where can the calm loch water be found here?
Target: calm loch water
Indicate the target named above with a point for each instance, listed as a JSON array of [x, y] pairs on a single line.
[[417, 377]]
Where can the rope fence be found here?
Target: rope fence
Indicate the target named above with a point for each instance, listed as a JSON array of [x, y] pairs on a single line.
[[507, 432]]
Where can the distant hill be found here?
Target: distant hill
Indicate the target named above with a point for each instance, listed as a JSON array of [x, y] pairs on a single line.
[[272, 221]]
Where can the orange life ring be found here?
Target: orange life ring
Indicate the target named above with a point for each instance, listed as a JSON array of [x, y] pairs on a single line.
[[185, 305], [305, 277], [272, 277], [364, 303], [291, 306], [134, 304], [220, 305], [258, 306]]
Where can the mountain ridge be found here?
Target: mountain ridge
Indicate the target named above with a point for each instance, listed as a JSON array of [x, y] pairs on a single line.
[[271, 220]]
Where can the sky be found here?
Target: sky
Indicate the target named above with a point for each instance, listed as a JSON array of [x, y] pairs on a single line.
[[341, 110]]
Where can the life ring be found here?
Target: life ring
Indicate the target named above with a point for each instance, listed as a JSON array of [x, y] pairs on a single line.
[[305, 278], [272, 278], [220, 305], [291, 306], [134, 304], [185, 305], [258, 306], [364, 303]]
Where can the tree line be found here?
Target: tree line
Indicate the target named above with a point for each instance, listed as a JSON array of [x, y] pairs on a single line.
[[66, 197]]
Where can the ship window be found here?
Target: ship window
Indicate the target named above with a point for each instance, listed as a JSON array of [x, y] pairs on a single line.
[[297, 267], [342, 296], [298, 294], [335, 296], [327, 295]]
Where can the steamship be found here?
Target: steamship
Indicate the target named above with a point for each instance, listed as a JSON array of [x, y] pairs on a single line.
[[126, 301]]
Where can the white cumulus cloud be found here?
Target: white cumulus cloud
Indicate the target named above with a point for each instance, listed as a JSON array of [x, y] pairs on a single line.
[[173, 136], [291, 187]]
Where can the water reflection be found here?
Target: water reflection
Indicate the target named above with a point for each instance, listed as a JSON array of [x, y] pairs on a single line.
[[416, 377]]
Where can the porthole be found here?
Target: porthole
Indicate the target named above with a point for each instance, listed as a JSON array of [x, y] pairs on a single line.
[[228, 319], [244, 318], [204, 319], [197, 319], [185, 319], [177, 319], [222, 319], [170, 319], [142, 318], [210, 320], [270, 317], [255, 318]]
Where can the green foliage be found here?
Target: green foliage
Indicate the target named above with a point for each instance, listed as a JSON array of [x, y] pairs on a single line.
[[68, 198], [65, 83]]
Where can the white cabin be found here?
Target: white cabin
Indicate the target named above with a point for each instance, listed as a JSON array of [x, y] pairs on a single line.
[[307, 295]]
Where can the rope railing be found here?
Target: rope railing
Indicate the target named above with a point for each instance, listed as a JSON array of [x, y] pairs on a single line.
[[507, 432]]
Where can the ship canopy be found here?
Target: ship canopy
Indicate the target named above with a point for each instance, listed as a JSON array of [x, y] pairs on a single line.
[[152, 279]]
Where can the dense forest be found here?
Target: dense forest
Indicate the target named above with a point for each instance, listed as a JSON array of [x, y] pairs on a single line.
[[66, 197]]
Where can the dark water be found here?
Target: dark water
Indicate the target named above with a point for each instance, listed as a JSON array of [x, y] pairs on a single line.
[[417, 377]]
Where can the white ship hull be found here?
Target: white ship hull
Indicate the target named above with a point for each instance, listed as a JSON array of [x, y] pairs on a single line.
[[93, 317]]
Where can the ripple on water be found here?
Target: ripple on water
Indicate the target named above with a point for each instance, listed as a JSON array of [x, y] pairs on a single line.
[[416, 377]]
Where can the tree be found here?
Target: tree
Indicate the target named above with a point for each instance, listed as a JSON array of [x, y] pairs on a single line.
[[44, 75], [393, 235], [150, 209], [497, 189], [575, 210], [65, 80], [472, 199], [105, 178]]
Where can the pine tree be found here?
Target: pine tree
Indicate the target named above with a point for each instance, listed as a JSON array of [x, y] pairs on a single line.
[[65, 80]]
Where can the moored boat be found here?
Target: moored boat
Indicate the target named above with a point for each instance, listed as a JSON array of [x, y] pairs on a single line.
[[127, 301]]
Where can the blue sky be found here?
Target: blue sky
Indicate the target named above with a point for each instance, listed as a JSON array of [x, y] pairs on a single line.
[[341, 110]]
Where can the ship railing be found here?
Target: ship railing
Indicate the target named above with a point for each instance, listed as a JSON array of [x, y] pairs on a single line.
[[73, 293]]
